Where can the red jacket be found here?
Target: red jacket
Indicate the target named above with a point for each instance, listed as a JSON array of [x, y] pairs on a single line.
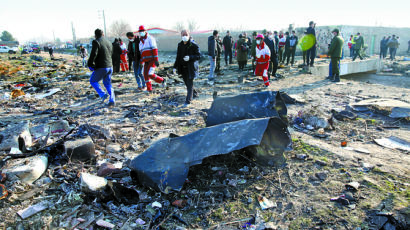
[[262, 53], [148, 48]]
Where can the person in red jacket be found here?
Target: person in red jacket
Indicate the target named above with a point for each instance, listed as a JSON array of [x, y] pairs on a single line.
[[123, 56], [149, 57], [262, 59]]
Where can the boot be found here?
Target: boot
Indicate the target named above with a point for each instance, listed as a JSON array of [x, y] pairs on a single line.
[[337, 78], [331, 78]]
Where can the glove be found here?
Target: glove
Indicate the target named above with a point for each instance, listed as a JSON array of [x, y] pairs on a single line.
[[174, 71], [156, 63], [91, 68], [186, 58]]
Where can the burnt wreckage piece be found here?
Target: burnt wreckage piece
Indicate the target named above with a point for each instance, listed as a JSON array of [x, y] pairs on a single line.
[[164, 166]]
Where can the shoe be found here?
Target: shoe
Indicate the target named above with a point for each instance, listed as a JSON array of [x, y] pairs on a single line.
[[211, 82], [337, 78], [311, 65], [164, 83], [186, 104], [111, 104], [330, 78], [104, 98]]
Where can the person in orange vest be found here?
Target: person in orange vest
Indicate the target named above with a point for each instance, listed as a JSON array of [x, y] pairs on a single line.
[[123, 56], [262, 59], [149, 57]]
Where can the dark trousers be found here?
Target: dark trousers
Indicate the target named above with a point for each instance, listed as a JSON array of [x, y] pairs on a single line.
[[116, 64], [335, 64], [310, 55], [189, 83], [357, 53], [218, 63], [242, 64], [228, 53], [385, 52], [304, 56], [290, 53], [273, 66]]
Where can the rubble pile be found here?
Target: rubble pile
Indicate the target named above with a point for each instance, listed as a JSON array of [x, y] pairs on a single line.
[[69, 162]]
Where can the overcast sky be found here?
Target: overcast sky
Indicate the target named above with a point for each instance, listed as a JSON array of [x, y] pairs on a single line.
[[34, 19]]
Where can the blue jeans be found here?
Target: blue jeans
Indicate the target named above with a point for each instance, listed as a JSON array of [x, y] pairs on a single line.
[[212, 68], [105, 75], [138, 74], [84, 61]]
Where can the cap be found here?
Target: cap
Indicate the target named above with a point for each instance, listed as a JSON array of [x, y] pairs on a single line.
[[260, 36], [311, 22], [141, 28], [254, 33]]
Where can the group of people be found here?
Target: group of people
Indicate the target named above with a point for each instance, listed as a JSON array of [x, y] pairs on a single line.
[[266, 50], [142, 50], [119, 55], [390, 43]]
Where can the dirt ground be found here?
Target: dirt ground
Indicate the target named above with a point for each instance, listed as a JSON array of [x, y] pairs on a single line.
[[300, 191]]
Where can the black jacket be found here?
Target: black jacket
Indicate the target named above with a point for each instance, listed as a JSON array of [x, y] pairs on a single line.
[[271, 45], [101, 54], [191, 49], [116, 50], [134, 54], [228, 42], [311, 30], [212, 46]]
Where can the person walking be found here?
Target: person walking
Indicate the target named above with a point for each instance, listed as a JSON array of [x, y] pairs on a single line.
[[275, 35], [262, 59], [273, 62], [242, 52], [228, 47], [51, 51], [187, 64], [393, 45], [116, 55], [212, 52], [100, 62], [218, 55], [253, 49], [149, 57], [293, 41], [383, 46], [134, 57], [83, 55], [281, 47], [350, 45], [335, 53], [123, 56], [311, 53], [358, 46]]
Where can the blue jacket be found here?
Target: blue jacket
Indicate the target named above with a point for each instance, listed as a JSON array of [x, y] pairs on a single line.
[[192, 50], [212, 46]]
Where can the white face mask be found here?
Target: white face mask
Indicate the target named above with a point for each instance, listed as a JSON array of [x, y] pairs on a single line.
[[258, 42], [185, 38], [142, 34], [131, 40], [271, 36]]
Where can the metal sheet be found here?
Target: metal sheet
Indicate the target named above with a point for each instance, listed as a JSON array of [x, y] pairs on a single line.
[[246, 106], [164, 166]]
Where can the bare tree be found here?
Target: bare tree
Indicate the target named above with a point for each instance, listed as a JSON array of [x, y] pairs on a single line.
[[192, 25], [119, 28], [179, 26]]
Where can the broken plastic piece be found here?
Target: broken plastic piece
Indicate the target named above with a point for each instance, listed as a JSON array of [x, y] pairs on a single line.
[[265, 203], [3, 192], [25, 213]]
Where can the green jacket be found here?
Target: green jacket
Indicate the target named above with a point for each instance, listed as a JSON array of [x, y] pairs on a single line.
[[359, 43], [253, 48], [336, 46], [241, 55], [393, 43]]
